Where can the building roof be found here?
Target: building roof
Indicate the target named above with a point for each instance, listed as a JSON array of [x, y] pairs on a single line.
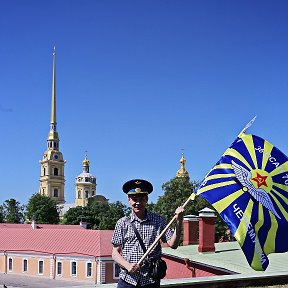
[[74, 242], [39, 226], [228, 255]]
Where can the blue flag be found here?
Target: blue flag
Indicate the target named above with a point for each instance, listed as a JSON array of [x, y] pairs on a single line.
[[249, 188]]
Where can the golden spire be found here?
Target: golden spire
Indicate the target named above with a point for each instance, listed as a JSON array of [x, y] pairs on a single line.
[[53, 104], [53, 141], [182, 172]]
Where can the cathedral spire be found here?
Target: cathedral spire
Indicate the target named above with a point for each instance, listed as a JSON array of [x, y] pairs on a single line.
[[182, 172], [53, 103], [52, 178], [53, 140]]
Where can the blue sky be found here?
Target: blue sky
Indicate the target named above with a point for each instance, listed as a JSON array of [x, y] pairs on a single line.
[[137, 81]]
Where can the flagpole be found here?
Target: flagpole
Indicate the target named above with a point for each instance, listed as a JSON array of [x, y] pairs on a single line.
[[192, 197], [247, 126]]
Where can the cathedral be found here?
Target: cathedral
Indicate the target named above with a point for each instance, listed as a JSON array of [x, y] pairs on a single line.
[[52, 176]]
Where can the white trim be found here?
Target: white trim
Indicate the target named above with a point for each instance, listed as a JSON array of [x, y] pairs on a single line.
[[86, 269], [98, 280], [28, 254], [101, 271], [23, 260], [59, 256], [51, 266]]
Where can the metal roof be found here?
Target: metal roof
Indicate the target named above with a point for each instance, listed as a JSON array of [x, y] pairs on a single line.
[[228, 255], [74, 242]]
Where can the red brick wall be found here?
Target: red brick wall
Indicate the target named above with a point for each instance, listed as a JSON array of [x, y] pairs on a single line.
[[178, 268]]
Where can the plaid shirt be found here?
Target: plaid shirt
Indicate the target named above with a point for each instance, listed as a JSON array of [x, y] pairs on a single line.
[[124, 236]]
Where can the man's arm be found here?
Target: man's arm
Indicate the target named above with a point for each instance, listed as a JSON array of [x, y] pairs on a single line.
[[173, 242], [117, 257]]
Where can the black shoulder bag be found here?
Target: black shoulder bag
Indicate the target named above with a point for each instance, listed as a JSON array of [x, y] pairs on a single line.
[[157, 266]]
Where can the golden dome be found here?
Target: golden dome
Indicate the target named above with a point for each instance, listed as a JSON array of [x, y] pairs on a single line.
[[182, 172], [86, 162]]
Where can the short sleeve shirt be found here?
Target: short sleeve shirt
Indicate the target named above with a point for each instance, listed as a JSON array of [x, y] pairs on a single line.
[[124, 236]]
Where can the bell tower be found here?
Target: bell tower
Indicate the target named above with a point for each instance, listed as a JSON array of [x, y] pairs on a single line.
[[85, 185], [52, 179]]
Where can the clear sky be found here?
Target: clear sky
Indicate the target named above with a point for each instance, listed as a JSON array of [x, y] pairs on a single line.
[[137, 81]]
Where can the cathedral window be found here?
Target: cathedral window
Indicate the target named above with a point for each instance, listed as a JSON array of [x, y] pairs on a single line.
[[55, 193], [56, 171], [86, 194]]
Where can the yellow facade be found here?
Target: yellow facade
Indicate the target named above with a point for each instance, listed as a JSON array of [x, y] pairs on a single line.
[[91, 269]]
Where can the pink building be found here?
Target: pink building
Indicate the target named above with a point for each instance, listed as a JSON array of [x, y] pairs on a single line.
[[57, 252], [72, 252]]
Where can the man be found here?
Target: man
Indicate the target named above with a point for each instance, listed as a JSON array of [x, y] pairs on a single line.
[[127, 250]]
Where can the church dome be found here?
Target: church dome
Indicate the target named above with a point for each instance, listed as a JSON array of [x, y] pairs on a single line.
[[86, 162], [86, 177], [182, 172]]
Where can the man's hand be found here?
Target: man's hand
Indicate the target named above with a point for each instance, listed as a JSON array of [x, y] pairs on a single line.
[[133, 267], [179, 212]]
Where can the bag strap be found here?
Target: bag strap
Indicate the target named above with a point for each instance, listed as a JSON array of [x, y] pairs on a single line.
[[138, 237]]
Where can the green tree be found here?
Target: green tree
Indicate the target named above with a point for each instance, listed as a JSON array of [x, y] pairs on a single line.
[[176, 192], [1, 214], [13, 212], [74, 215], [98, 215], [43, 208], [109, 215]]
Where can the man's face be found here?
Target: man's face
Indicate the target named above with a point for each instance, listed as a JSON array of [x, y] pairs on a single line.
[[138, 202]]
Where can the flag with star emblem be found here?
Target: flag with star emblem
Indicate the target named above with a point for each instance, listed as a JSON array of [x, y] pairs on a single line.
[[248, 187]]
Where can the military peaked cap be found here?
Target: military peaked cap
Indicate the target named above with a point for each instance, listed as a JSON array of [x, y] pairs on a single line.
[[137, 186]]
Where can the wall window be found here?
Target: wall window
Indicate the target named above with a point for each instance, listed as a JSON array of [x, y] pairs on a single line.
[[25, 265], [88, 269], [55, 194], [86, 194], [44, 171], [59, 268], [10, 264], [79, 194], [74, 268], [40, 267], [116, 271], [56, 172]]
